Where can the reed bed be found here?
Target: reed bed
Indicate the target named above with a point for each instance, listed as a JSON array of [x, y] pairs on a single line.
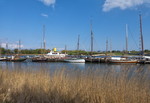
[[75, 86]]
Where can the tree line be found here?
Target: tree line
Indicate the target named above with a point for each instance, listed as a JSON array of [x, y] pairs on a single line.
[[69, 52]]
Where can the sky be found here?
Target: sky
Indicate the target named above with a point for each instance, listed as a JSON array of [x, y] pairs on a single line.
[[64, 20]]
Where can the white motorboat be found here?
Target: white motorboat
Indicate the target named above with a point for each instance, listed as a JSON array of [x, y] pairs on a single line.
[[75, 60], [2, 58]]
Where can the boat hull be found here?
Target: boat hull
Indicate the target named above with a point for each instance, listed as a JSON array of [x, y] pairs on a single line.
[[39, 59], [117, 61], [16, 60], [74, 60]]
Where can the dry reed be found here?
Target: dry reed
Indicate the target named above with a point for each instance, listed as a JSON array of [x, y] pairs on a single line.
[[75, 86]]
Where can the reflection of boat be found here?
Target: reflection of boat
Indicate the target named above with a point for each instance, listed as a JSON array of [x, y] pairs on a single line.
[[74, 60]]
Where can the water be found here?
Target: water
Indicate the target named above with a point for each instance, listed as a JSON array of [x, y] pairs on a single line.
[[77, 68], [60, 65]]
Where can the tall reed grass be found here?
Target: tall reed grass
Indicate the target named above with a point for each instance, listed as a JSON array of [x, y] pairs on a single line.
[[75, 86]]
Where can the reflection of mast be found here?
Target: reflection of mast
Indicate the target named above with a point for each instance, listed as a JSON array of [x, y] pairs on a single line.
[[92, 37], [141, 36], [78, 44], [126, 38]]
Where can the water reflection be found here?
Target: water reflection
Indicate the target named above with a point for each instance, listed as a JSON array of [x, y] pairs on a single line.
[[56, 65]]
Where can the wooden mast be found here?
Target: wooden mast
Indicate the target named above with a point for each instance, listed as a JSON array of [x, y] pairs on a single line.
[[141, 36], [65, 49], [0, 49], [92, 37], [106, 47], [19, 47], [44, 42], [78, 44], [126, 38]]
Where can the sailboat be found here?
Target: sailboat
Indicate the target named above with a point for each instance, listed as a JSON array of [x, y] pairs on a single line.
[[143, 59], [92, 59], [41, 58], [123, 59], [17, 57], [75, 60]]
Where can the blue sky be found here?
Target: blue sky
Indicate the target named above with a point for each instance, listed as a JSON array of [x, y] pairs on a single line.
[[66, 19]]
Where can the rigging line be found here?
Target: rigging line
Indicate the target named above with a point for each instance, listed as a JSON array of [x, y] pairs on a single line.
[[132, 36]]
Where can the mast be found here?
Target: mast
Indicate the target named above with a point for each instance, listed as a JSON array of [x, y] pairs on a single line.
[[106, 46], [92, 37], [78, 44], [19, 47], [6, 48], [44, 42], [0, 50], [126, 38], [65, 49], [141, 36], [110, 46]]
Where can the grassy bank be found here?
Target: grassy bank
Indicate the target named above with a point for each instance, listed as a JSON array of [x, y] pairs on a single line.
[[74, 86]]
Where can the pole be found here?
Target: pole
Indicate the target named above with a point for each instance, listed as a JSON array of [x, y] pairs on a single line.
[[78, 44], [141, 35], [44, 42], [126, 38], [92, 36]]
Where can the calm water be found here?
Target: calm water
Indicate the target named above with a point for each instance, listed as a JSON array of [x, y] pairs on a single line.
[[59, 65]]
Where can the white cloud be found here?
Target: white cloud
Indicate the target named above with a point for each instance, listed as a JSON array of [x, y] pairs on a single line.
[[11, 45], [44, 15], [123, 4], [48, 2]]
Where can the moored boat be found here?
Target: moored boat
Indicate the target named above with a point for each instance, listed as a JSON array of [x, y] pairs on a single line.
[[75, 60], [15, 59], [39, 59], [122, 60], [2, 58]]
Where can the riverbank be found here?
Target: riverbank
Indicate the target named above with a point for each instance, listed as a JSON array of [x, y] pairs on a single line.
[[74, 86]]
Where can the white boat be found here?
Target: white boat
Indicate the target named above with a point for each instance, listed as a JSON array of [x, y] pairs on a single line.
[[75, 60], [122, 60], [52, 54], [2, 58]]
